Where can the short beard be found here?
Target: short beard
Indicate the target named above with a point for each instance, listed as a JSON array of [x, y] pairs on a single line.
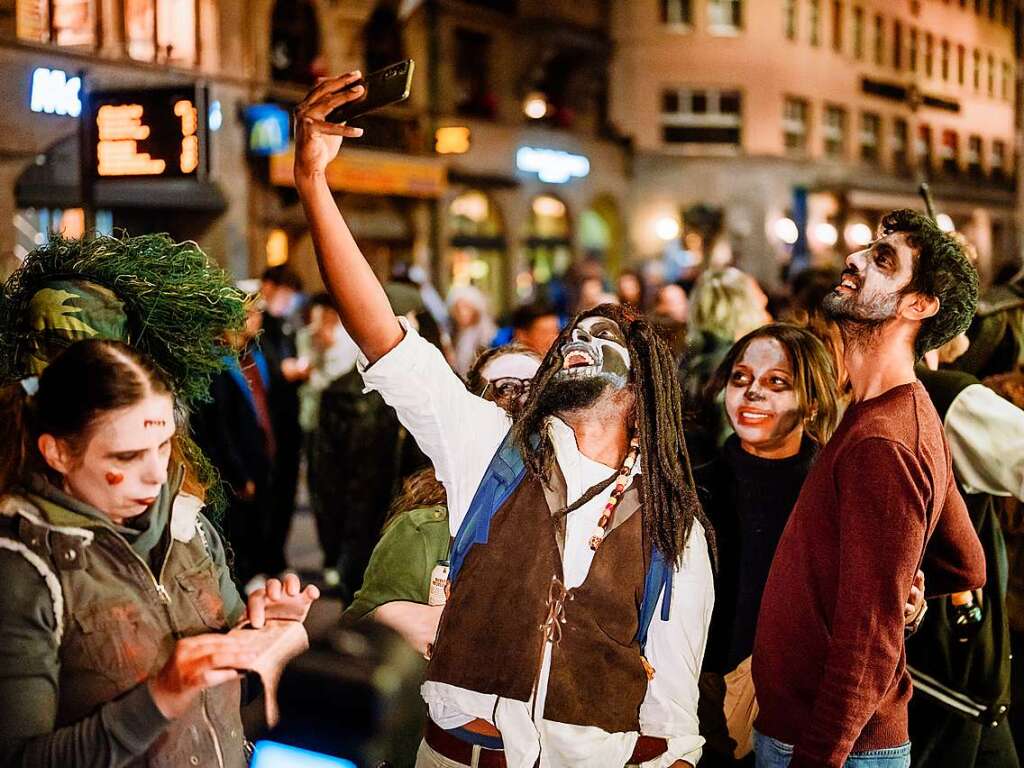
[[860, 323], [567, 395]]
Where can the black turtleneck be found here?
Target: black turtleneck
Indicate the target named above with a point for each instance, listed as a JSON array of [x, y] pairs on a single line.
[[748, 500]]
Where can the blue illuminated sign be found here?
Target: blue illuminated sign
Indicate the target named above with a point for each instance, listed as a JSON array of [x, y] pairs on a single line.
[[215, 116], [267, 128], [54, 93], [552, 165], [270, 754]]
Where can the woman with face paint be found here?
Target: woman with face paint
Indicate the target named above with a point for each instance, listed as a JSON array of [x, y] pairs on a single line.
[[780, 399], [114, 590]]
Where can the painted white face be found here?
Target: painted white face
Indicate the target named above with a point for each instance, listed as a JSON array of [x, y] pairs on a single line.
[[509, 378], [596, 349], [761, 401], [124, 464], [870, 288]]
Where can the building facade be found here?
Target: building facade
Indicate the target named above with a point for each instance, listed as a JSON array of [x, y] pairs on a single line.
[[799, 122], [498, 171]]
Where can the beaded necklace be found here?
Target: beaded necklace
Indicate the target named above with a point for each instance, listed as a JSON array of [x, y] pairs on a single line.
[[597, 537]]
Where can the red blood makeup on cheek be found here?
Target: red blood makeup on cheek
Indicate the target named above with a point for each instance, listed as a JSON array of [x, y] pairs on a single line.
[[114, 478]]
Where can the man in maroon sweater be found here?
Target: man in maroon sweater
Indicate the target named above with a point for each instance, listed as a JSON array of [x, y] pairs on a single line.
[[829, 664]]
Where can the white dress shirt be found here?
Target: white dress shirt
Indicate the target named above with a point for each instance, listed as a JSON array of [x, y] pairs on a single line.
[[985, 433], [460, 433]]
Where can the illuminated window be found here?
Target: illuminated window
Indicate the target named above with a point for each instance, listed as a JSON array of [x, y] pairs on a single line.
[[677, 12], [725, 16], [62, 22], [945, 60], [929, 55], [834, 131], [991, 75], [961, 55], [161, 30], [815, 22], [977, 70], [794, 125], [974, 155], [998, 161], [870, 136]]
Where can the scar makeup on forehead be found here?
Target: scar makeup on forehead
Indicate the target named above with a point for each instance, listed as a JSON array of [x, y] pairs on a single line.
[[114, 478], [154, 423]]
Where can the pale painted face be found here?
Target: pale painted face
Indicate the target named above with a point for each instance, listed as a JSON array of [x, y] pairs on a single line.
[[869, 291], [124, 464], [509, 378], [761, 401], [596, 350]]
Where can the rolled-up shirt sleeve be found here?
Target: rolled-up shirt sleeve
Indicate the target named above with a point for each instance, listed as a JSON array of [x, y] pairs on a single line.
[[457, 430], [986, 438], [675, 648]]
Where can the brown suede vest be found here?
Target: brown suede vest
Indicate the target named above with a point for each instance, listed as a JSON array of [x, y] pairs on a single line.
[[119, 627], [509, 597]]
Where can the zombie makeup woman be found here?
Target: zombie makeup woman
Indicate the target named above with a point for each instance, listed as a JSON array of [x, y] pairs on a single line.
[[780, 399], [113, 587]]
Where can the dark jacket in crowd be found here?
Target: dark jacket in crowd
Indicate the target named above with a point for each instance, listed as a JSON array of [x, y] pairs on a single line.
[[962, 689], [748, 500]]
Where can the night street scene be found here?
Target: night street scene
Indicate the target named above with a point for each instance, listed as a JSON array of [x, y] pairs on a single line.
[[511, 384]]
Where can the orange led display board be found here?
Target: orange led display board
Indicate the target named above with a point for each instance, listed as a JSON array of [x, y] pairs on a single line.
[[152, 133]]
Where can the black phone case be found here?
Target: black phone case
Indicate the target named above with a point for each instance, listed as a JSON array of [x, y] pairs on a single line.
[[382, 88]]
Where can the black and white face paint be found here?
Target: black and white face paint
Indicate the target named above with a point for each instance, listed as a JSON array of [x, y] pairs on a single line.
[[596, 350]]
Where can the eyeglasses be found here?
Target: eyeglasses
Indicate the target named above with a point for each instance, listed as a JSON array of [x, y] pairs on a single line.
[[507, 388]]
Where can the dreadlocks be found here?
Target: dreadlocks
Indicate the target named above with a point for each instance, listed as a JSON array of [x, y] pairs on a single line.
[[670, 501]]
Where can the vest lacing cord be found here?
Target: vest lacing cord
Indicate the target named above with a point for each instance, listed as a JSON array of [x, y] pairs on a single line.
[[557, 596]]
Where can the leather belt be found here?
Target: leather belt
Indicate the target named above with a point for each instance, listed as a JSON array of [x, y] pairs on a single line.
[[461, 751], [454, 748]]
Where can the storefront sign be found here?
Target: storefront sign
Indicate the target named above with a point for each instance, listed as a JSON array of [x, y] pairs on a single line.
[[370, 172], [155, 133], [267, 127], [552, 166], [54, 93]]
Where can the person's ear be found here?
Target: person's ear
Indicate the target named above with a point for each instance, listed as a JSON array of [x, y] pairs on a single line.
[[55, 453], [919, 306]]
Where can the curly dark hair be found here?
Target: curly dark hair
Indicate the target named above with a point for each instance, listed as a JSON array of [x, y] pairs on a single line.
[[941, 270], [670, 501]]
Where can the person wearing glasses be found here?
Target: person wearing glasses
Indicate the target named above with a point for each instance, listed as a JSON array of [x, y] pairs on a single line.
[[416, 537]]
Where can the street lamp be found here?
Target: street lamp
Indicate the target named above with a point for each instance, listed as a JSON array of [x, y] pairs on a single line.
[[666, 228]]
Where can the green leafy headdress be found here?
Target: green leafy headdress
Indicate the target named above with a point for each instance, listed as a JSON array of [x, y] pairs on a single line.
[[168, 300]]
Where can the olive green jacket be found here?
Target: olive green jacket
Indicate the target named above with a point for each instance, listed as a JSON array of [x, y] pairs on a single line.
[[402, 561], [90, 610]]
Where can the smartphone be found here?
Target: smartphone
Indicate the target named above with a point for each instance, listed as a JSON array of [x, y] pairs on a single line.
[[382, 88]]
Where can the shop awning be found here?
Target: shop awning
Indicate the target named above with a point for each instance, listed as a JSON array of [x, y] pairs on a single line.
[[53, 182], [370, 172]]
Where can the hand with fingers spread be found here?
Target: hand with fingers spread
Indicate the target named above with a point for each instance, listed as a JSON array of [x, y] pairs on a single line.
[[317, 141], [285, 600], [197, 663]]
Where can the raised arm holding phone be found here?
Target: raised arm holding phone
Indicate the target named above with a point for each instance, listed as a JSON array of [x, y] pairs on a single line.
[[542, 650]]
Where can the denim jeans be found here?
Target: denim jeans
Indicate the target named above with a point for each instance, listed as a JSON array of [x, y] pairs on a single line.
[[772, 753]]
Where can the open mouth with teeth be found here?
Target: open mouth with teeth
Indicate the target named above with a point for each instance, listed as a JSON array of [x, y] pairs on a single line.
[[580, 360], [848, 283]]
